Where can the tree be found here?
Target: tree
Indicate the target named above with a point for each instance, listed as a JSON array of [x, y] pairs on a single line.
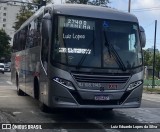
[[5, 48], [99, 2], [39, 1], [22, 16], [25, 12], [77, 1], [91, 2], [148, 60], [157, 66]]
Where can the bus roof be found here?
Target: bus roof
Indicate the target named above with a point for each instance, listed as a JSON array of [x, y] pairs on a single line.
[[94, 12], [84, 11]]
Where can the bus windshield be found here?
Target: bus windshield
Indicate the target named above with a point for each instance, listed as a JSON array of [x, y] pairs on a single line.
[[86, 42]]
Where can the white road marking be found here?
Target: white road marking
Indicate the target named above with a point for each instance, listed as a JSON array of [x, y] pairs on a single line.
[[16, 112], [3, 91], [32, 111], [9, 82], [7, 96]]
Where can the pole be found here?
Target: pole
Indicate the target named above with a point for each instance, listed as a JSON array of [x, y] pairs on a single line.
[[129, 6], [153, 83]]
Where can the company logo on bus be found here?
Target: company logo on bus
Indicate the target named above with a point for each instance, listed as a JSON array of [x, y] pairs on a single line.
[[112, 86]]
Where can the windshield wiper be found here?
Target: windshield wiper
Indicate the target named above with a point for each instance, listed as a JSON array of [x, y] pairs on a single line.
[[87, 52], [117, 57], [84, 55]]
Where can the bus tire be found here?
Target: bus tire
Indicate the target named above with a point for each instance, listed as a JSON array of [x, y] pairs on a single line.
[[19, 91], [36, 89]]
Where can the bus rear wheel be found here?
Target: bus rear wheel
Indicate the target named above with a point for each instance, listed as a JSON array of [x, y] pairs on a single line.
[[36, 89], [19, 91]]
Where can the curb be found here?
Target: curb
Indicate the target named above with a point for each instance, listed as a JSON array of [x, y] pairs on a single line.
[[151, 97]]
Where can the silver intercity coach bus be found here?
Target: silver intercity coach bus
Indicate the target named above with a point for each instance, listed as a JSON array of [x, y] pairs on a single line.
[[79, 56]]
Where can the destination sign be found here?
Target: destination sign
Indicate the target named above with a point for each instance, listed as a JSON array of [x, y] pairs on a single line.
[[79, 23]]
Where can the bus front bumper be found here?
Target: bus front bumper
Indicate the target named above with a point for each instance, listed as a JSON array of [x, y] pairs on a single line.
[[62, 97]]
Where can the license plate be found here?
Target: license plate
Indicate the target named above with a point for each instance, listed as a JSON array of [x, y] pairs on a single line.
[[101, 97]]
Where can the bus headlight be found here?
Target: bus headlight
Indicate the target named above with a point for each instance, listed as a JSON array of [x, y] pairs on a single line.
[[134, 85], [64, 83]]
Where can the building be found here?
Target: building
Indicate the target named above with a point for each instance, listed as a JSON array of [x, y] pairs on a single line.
[[8, 13]]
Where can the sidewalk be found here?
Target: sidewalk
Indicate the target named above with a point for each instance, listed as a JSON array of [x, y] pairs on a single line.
[[151, 97], [151, 86]]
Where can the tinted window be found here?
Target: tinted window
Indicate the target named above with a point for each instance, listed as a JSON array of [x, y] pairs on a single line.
[[86, 42], [75, 42]]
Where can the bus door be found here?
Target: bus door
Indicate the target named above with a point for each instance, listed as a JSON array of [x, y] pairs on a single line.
[[44, 61]]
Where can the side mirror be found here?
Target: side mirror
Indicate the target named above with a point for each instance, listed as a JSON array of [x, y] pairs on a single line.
[[46, 25], [142, 36]]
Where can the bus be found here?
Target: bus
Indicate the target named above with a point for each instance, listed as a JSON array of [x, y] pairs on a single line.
[[79, 56]]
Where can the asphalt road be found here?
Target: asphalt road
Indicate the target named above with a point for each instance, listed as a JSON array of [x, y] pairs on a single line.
[[24, 109]]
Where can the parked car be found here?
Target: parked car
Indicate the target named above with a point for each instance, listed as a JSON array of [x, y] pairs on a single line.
[[7, 68], [2, 68]]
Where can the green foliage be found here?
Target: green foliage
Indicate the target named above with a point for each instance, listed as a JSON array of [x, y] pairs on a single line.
[[22, 16], [99, 2], [77, 1], [39, 1], [91, 2], [151, 77], [148, 60], [157, 62], [24, 13], [152, 90], [5, 48]]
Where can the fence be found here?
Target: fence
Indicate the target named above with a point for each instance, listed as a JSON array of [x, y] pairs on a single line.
[[148, 83]]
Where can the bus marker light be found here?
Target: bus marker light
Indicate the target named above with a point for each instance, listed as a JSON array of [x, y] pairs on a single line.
[[134, 85], [64, 83]]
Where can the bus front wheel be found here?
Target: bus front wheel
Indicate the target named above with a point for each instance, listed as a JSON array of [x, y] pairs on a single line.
[[19, 91]]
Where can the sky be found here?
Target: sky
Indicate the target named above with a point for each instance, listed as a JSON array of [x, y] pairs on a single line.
[[147, 11]]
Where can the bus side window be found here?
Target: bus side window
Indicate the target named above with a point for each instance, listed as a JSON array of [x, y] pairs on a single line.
[[132, 42], [29, 40], [18, 42], [36, 37], [14, 48], [44, 51], [22, 39], [46, 27]]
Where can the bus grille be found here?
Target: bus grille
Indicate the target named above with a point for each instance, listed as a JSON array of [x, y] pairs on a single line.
[[100, 78]]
